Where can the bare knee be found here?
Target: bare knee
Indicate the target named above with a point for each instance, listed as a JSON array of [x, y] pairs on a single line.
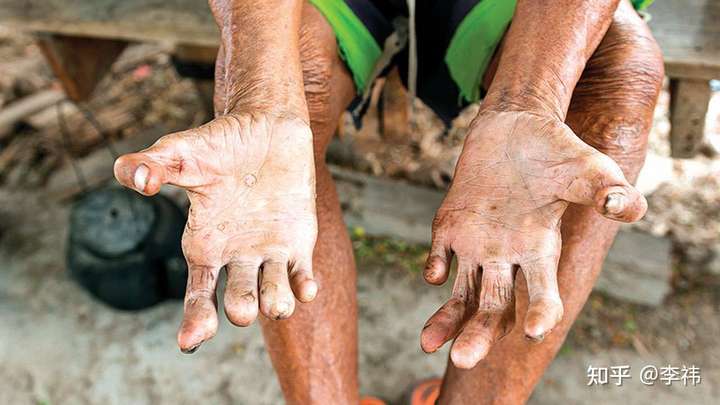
[[628, 61], [319, 59], [614, 101]]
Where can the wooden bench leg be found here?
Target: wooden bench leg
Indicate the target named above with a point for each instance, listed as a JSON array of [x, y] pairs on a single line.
[[689, 99], [79, 63], [393, 110]]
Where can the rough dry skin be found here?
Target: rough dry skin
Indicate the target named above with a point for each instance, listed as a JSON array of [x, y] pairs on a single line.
[[242, 216], [249, 175], [503, 211], [251, 183], [117, 358]]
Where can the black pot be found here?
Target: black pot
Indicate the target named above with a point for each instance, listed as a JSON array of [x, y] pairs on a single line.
[[125, 248]]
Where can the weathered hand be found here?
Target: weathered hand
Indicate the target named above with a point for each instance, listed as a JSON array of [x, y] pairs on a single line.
[[251, 184], [515, 177]]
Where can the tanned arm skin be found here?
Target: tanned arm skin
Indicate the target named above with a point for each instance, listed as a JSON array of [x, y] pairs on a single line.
[[520, 168], [249, 175], [260, 56]]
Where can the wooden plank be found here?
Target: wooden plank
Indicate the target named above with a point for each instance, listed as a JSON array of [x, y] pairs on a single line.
[[687, 30], [689, 35], [689, 99], [97, 167], [174, 21], [79, 63], [18, 110]]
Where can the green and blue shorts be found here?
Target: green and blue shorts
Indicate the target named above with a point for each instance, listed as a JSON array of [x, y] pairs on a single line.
[[456, 40]]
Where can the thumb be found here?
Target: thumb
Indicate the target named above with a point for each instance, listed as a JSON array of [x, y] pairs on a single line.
[[146, 171], [601, 184]]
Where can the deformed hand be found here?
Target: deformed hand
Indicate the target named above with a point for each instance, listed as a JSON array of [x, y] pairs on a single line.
[[514, 179], [251, 184]]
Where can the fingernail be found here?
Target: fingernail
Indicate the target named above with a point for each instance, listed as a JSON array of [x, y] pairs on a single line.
[[141, 177], [615, 203], [535, 339], [311, 290], [192, 349]]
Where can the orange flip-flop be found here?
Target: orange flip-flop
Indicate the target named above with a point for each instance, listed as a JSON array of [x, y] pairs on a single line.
[[425, 392]]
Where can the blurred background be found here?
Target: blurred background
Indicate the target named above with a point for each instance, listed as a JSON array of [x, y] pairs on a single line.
[[90, 275]]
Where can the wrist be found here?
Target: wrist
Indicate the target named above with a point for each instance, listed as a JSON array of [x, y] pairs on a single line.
[[525, 98], [263, 96]]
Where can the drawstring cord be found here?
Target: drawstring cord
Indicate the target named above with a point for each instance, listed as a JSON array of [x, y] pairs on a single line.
[[412, 63]]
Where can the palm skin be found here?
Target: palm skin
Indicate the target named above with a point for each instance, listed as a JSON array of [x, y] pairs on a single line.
[[251, 184], [515, 177]]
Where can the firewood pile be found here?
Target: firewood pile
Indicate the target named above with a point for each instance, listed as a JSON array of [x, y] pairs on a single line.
[[40, 130]]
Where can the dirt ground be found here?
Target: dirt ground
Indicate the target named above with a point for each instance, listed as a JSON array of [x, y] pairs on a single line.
[[59, 346]]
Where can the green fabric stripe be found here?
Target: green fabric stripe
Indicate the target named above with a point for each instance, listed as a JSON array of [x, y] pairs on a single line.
[[476, 38], [358, 47], [474, 43], [641, 4]]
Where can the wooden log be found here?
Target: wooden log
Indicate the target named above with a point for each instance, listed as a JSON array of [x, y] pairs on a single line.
[[97, 167], [18, 110], [79, 63], [393, 110], [118, 115], [14, 153], [689, 99]]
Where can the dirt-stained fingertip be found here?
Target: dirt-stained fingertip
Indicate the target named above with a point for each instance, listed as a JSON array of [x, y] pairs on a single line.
[[435, 271]]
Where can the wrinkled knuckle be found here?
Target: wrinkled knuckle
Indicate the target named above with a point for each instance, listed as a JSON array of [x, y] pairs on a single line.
[[440, 225], [198, 294]]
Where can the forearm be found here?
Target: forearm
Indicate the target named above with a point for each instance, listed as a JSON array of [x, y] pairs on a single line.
[[545, 52], [262, 69]]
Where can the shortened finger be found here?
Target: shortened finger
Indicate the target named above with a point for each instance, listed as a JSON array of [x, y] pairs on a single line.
[[303, 282], [276, 298], [479, 334], [443, 325], [140, 172], [200, 320], [437, 266], [545, 309], [241, 293]]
